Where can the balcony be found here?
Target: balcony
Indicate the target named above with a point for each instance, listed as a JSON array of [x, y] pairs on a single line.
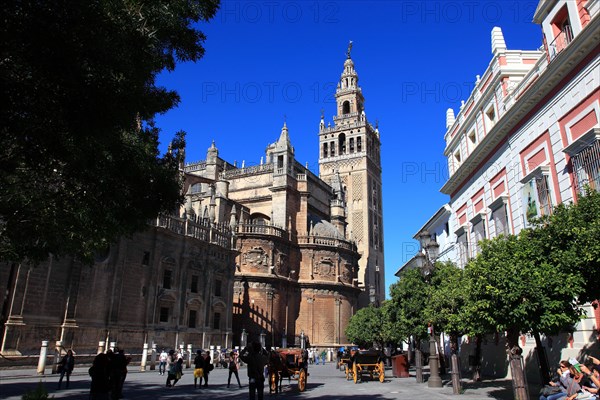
[[560, 42]]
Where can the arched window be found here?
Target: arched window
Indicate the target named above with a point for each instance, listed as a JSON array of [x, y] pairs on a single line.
[[358, 144], [332, 149], [346, 107], [351, 142], [325, 150], [342, 143]]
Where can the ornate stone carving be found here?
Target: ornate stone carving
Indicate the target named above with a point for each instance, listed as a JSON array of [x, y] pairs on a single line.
[[255, 257], [324, 267]]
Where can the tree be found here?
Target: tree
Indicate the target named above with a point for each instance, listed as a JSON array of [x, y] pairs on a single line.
[[365, 328], [446, 300], [513, 288], [79, 155], [570, 240]]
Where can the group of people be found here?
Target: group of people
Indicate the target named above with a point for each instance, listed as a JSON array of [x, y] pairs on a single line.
[[108, 373], [576, 381], [314, 356]]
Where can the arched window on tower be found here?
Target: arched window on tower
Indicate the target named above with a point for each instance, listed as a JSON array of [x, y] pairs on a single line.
[[351, 143], [358, 144], [346, 107], [325, 150], [342, 143], [332, 149]]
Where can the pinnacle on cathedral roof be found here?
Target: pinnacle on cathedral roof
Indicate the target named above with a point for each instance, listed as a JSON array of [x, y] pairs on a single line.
[[284, 138]]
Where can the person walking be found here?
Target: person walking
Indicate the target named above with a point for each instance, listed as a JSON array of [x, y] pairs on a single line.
[[256, 358], [100, 374], [198, 368], [171, 367], [234, 366], [323, 356], [67, 364], [208, 366], [162, 362]]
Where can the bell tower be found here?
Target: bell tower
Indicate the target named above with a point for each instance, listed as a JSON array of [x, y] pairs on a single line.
[[349, 151]]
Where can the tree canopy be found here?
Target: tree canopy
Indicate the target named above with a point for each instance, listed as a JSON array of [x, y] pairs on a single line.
[[445, 306], [366, 327], [408, 301], [512, 287], [570, 241], [79, 157]]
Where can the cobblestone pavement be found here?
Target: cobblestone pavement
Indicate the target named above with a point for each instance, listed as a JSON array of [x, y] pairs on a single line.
[[325, 382]]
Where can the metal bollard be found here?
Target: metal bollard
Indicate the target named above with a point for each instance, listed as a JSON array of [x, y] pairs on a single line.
[[41, 369], [144, 358], [101, 346]]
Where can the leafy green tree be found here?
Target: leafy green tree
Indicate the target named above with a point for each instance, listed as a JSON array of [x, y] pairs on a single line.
[[408, 300], [365, 328], [446, 300], [570, 240], [513, 288], [79, 159]]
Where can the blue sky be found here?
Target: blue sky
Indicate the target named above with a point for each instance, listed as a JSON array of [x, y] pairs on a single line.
[[270, 60]]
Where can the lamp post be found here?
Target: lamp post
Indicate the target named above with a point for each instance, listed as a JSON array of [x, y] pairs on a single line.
[[302, 340], [430, 252]]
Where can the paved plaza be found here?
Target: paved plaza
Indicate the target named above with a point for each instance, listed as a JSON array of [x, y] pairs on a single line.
[[325, 382]]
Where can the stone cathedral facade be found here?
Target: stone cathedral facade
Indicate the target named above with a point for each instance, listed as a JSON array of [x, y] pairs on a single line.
[[271, 248]]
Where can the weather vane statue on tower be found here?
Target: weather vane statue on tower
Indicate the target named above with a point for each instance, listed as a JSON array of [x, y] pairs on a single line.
[[349, 49]]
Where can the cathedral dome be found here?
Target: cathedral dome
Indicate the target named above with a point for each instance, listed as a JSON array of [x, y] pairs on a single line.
[[326, 229]]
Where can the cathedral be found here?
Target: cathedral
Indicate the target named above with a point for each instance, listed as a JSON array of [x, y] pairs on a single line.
[[310, 248], [270, 251]]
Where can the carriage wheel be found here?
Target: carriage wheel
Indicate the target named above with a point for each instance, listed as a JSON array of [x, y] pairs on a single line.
[[381, 372], [355, 372], [302, 380], [273, 382]]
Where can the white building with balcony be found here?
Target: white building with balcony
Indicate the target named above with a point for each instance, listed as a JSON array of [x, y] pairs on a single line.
[[527, 139]]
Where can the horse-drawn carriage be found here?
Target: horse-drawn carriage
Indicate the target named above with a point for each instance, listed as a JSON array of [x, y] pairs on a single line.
[[364, 362], [287, 363]]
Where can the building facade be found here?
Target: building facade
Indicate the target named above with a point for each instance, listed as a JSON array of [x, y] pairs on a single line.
[[170, 285], [526, 140], [272, 250]]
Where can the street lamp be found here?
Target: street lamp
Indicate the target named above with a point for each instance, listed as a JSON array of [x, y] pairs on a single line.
[[302, 340], [430, 252]]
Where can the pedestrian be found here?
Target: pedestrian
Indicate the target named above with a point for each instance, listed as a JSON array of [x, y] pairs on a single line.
[[100, 374], [178, 369], [323, 355], [256, 358], [66, 366], [208, 366], [234, 366], [316, 356], [118, 370], [198, 368], [171, 367], [162, 362]]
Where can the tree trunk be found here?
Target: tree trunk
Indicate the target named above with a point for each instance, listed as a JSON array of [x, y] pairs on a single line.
[[477, 361], [419, 362], [456, 385], [542, 359], [516, 365]]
